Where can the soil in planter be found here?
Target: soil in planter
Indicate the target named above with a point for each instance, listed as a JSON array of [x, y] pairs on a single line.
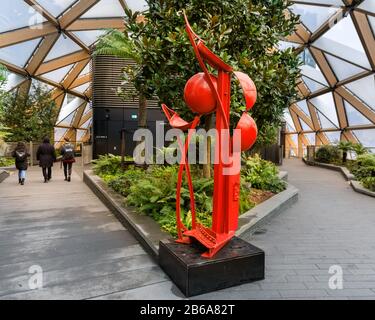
[[258, 196]]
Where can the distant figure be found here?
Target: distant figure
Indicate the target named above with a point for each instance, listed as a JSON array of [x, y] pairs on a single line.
[[20, 154], [67, 153], [46, 155]]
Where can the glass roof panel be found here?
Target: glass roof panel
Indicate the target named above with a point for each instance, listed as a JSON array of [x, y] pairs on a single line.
[[372, 23], [89, 37], [368, 5], [354, 116], [69, 107], [313, 16], [303, 105], [366, 137], [13, 80], [342, 69], [82, 88], [17, 14], [289, 120], [59, 133], [19, 54], [343, 41], [62, 47], [312, 85], [105, 9], [80, 134], [59, 74], [137, 5], [364, 89], [333, 136], [314, 74], [56, 7], [325, 2], [67, 121], [311, 138], [284, 45], [326, 105], [304, 125]]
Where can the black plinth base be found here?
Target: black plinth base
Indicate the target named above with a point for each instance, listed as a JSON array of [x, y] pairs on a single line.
[[237, 263]]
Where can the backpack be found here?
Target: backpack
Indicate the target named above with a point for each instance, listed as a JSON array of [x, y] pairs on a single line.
[[69, 152], [21, 155]]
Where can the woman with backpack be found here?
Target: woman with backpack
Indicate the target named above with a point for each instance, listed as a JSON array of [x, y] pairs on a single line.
[[67, 154], [46, 155], [21, 155]]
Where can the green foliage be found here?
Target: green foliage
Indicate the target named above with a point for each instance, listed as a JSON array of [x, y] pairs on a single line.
[[107, 165], [359, 149], [243, 33], [369, 183], [262, 174], [6, 162], [327, 154], [364, 166], [29, 117], [153, 191]]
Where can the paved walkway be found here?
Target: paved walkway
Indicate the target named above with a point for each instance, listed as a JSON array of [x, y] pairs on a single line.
[[62, 227], [86, 254]]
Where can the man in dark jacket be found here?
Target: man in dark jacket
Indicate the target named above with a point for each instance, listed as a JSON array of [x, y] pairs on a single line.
[[46, 155], [20, 154]]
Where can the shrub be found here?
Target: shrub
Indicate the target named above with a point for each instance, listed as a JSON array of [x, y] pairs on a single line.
[[107, 165], [369, 183], [327, 154], [6, 162], [262, 174], [364, 166]]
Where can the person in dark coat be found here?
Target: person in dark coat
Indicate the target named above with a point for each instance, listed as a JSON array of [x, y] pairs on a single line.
[[46, 155], [67, 154], [21, 155]]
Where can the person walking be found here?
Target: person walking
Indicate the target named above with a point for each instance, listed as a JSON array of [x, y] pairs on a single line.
[[46, 155], [21, 155], [67, 154]]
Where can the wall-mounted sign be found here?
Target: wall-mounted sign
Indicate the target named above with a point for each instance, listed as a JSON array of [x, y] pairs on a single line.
[[134, 116]]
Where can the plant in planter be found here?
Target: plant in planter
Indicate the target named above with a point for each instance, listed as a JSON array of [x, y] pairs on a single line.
[[345, 147], [327, 154], [364, 166], [359, 149]]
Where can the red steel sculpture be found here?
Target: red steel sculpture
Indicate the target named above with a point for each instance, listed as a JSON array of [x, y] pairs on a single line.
[[205, 93]]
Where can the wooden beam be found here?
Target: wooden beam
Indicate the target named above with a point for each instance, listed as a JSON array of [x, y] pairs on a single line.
[[86, 117], [63, 61], [75, 12], [43, 50], [324, 66], [296, 122], [314, 116], [341, 113], [302, 115], [366, 35], [14, 68], [26, 34], [80, 81], [74, 73], [356, 103], [96, 24]]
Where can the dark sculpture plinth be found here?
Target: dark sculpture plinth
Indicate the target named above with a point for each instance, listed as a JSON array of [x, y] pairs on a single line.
[[237, 263]]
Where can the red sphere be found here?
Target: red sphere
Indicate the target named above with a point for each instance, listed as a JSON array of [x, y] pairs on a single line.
[[198, 95], [249, 131]]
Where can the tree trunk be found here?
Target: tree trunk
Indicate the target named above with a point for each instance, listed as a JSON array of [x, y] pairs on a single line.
[[142, 111], [207, 165], [344, 156]]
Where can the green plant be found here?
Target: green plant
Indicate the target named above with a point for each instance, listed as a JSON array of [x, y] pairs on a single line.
[[107, 165], [327, 154], [29, 117], [369, 183], [359, 149], [243, 33], [345, 147], [262, 174], [364, 166], [6, 162]]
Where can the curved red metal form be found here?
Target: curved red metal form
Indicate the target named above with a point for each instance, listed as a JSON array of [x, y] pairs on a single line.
[[205, 93]]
